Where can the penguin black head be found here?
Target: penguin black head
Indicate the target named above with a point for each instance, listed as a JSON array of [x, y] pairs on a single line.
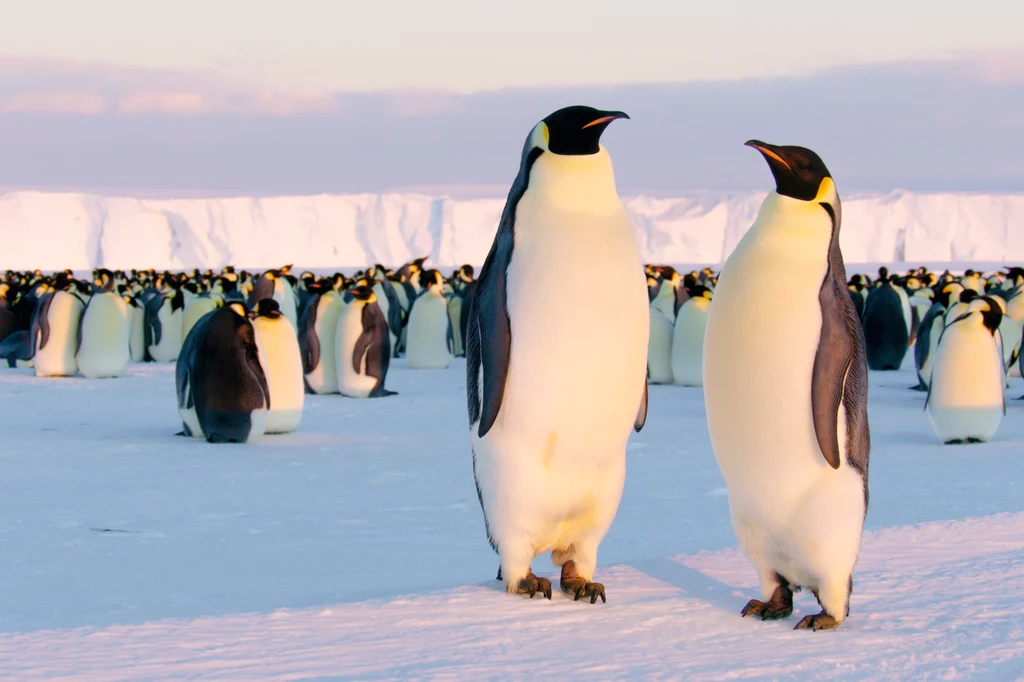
[[991, 313], [968, 295], [572, 131], [268, 307], [799, 173], [361, 293]]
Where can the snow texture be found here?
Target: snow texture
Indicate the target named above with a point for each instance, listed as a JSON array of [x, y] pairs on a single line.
[[355, 548], [52, 231]]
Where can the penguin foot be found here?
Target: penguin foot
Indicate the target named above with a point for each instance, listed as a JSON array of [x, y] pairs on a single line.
[[531, 585], [920, 387], [821, 621], [576, 587], [779, 606]]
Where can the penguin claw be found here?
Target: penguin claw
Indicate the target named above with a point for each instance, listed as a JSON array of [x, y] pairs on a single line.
[[578, 588], [779, 606], [820, 621], [531, 585]]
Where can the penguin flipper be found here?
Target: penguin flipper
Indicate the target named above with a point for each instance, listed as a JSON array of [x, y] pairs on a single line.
[[78, 331], [309, 344], [641, 417], [42, 318], [839, 376], [375, 343]]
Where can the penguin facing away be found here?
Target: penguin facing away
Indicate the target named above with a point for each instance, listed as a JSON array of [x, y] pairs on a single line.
[[363, 345], [786, 394], [659, 349], [886, 331], [966, 402], [279, 356], [550, 417], [222, 390]]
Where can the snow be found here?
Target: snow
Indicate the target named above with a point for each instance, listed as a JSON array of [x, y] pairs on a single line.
[[355, 548], [53, 231]]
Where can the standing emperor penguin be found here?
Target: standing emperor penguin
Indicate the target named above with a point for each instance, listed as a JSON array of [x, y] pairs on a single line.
[[659, 348], [550, 416], [104, 334], [363, 346], [966, 401], [786, 394], [222, 390], [688, 337], [55, 334], [429, 341], [317, 326], [279, 355]]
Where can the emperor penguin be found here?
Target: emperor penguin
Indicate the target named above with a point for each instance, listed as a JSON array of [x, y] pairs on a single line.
[[659, 348], [279, 355], [785, 389], [886, 330], [429, 341], [222, 390], [55, 334], [389, 304], [665, 300], [966, 400], [550, 416], [163, 325], [104, 334], [275, 284], [688, 337], [137, 337], [930, 330], [363, 346], [318, 326], [195, 309]]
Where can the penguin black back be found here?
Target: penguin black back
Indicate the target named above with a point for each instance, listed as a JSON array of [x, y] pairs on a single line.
[[885, 328]]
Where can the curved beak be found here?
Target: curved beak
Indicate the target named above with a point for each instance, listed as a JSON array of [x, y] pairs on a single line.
[[770, 152], [607, 117]]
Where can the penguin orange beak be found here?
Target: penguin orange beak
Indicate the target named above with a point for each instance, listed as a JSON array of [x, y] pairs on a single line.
[[769, 151], [607, 118]]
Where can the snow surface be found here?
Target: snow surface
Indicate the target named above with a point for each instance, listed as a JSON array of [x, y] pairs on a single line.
[[355, 548], [53, 231]]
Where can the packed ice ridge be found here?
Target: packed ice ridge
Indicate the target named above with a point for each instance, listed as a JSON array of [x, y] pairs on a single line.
[[83, 231]]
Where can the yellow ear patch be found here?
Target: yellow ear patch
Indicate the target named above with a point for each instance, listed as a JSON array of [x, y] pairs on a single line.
[[825, 189], [238, 308], [545, 132]]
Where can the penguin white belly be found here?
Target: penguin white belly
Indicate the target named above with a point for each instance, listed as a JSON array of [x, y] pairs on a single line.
[[966, 397], [57, 359], [350, 327], [792, 513], [427, 344], [688, 342], [194, 311], [665, 301], [281, 360], [170, 336], [659, 350], [324, 377], [553, 465], [137, 340], [106, 334]]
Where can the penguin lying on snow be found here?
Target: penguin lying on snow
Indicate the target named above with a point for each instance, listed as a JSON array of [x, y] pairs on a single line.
[[549, 417], [222, 390], [786, 394]]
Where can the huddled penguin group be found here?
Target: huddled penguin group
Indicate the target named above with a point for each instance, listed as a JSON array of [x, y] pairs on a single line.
[[785, 382]]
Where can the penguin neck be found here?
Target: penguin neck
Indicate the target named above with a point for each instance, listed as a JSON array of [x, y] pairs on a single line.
[[585, 182]]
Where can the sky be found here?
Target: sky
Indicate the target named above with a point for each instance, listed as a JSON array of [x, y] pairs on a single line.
[[306, 96], [469, 45]]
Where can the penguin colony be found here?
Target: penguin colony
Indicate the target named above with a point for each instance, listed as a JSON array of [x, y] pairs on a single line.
[[785, 381]]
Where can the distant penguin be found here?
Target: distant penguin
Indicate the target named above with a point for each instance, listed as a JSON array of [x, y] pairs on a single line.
[[223, 394], [363, 347], [665, 300], [972, 280], [455, 303], [163, 326], [137, 338], [885, 328], [389, 304], [554, 390], [785, 389], [16, 349], [966, 401], [104, 337], [659, 349], [195, 310], [688, 338], [318, 327], [959, 305], [55, 334], [273, 284], [281, 360], [1009, 336], [930, 330], [429, 342]]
